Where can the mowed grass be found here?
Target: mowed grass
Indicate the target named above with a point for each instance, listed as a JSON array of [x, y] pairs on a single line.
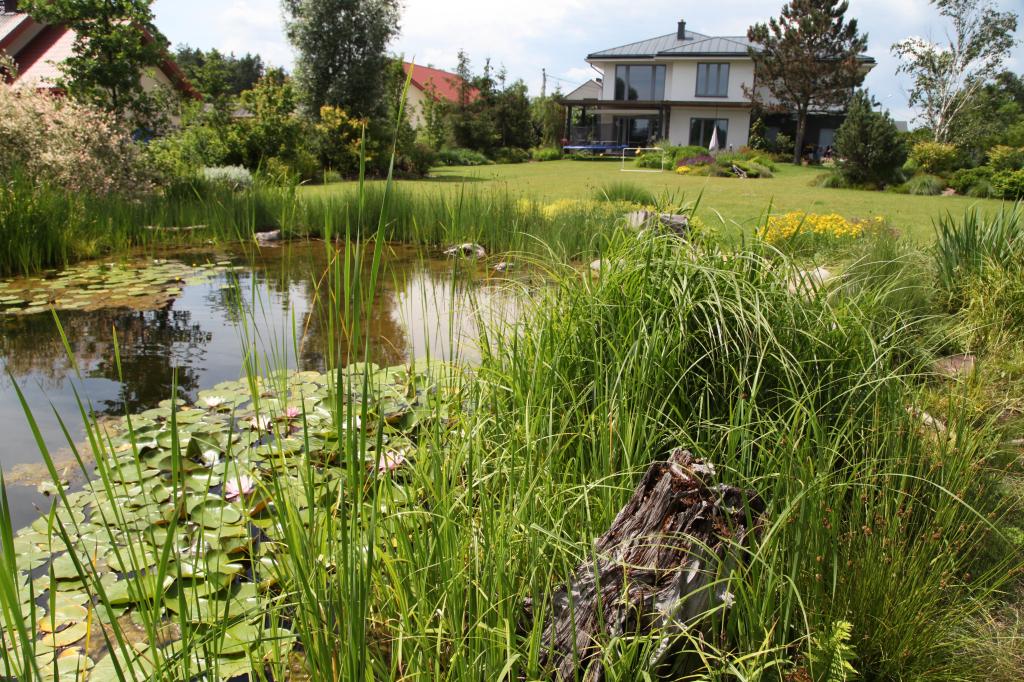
[[733, 206]]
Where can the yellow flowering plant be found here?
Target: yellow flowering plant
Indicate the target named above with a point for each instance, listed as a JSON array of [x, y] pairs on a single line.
[[798, 226]]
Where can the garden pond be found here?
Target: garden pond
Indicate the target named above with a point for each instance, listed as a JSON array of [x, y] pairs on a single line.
[[178, 321], [165, 544]]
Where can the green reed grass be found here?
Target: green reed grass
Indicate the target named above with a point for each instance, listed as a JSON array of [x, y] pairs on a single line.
[[45, 227], [874, 519]]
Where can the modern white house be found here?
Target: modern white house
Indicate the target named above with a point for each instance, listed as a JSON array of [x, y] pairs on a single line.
[[678, 87]]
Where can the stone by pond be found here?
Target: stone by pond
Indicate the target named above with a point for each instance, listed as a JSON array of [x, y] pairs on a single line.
[[196, 488]]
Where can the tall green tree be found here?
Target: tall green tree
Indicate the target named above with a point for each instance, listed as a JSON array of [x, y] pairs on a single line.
[[549, 118], [341, 48], [807, 58], [948, 76], [513, 116], [115, 43]]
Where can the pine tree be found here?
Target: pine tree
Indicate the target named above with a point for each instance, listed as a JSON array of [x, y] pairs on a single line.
[[808, 59], [868, 144]]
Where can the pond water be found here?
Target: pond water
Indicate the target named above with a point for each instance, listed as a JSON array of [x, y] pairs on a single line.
[[177, 322]]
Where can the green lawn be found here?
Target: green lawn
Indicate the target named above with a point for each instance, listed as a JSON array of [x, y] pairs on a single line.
[[732, 204]]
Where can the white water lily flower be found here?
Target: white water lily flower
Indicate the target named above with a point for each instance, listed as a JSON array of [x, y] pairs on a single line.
[[238, 487], [259, 422], [214, 401], [209, 458]]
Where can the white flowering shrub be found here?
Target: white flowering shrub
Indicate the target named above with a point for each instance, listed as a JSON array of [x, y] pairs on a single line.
[[53, 139], [235, 177]]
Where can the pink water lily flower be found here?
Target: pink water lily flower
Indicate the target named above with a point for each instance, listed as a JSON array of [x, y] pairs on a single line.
[[391, 461], [292, 412], [239, 487]]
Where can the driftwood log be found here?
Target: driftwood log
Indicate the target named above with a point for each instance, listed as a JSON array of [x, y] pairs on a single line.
[[677, 224], [172, 228], [659, 567]]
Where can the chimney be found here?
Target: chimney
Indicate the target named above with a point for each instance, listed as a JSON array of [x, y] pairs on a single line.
[[681, 32]]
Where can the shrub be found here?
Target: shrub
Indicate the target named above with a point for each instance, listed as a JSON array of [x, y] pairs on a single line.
[[966, 178], [456, 156], [983, 189], [277, 171], [868, 144], [626, 191], [1009, 184], [186, 151], [654, 159], [339, 140], [546, 154], [511, 155], [234, 177], [67, 144], [672, 155], [418, 159], [704, 159], [783, 144], [832, 180], [935, 158], [925, 185], [1004, 158]]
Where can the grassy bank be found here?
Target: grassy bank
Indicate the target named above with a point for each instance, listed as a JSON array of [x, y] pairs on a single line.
[[40, 227], [730, 205], [405, 516]]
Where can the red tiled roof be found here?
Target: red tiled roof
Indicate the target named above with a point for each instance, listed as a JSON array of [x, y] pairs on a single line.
[[441, 84], [39, 59]]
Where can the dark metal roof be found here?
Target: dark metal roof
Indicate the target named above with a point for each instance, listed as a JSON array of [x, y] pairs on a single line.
[[670, 45], [695, 45]]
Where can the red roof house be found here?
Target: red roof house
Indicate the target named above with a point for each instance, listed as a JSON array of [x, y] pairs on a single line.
[[433, 83], [38, 50]]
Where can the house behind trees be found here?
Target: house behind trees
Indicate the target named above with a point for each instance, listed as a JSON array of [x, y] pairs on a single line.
[[680, 87]]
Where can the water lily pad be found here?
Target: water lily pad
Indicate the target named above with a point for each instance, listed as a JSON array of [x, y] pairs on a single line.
[[214, 514], [64, 637], [137, 589]]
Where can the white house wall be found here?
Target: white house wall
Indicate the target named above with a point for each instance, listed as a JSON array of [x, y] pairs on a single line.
[[681, 80], [414, 104]]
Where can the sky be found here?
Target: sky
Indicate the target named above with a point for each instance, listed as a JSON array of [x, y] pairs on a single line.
[[528, 36]]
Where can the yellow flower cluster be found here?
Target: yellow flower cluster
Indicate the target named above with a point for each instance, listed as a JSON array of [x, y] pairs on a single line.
[[568, 208], [785, 227]]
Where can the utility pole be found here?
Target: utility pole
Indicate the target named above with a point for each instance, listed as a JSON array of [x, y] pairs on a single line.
[[544, 83]]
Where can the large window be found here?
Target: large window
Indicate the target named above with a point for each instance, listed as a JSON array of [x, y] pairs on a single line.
[[712, 80], [702, 128], [637, 131], [640, 82]]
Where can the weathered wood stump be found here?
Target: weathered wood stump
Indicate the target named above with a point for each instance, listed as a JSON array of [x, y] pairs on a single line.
[[659, 567]]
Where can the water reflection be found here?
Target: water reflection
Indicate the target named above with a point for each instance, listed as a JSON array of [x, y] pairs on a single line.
[[420, 306]]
